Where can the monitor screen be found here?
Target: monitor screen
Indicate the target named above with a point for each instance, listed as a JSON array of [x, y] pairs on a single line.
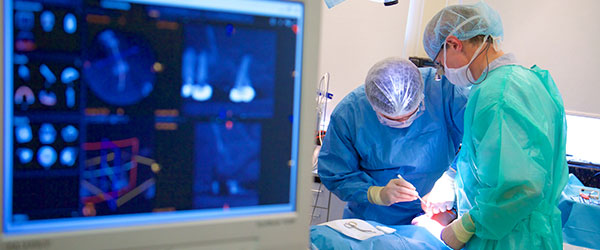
[[582, 139], [125, 113]]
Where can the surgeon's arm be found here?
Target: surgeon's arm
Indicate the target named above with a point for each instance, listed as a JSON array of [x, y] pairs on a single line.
[[338, 163], [455, 102], [508, 146]]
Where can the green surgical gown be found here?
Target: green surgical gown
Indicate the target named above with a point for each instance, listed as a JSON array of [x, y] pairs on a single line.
[[512, 166]]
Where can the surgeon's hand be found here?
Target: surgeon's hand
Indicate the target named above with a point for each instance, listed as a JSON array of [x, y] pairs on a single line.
[[398, 190], [442, 196], [459, 232]]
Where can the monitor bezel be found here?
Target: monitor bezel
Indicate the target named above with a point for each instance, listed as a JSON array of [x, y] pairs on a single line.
[[268, 231]]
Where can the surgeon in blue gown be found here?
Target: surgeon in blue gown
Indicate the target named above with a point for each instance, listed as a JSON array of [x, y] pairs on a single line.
[[390, 140]]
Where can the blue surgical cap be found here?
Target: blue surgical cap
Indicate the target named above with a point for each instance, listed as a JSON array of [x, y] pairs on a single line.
[[394, 87], [464, 22]]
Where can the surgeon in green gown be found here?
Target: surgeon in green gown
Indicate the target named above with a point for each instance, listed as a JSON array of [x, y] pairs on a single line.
[[512, 166]]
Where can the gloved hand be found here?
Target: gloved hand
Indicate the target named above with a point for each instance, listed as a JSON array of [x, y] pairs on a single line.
[[459, 232], [442, 196], [434, 227], [397, 190]]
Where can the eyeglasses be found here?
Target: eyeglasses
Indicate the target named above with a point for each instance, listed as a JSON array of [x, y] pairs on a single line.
[[439, 68]]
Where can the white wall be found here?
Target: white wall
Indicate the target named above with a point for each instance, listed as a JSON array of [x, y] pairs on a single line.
[[560, 36], [355, 35]]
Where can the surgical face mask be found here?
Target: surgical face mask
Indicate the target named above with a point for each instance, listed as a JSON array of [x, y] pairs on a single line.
[[461, 76], [403, 124]]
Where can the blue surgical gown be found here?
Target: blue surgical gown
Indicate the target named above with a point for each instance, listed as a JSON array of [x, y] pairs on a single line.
[[359, 152]]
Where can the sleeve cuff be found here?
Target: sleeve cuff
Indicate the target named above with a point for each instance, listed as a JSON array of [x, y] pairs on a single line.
[[374, 196], [460, 230], [468, 223]]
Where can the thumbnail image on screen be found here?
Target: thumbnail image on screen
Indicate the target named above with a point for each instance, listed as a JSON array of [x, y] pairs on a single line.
[[228, 67]]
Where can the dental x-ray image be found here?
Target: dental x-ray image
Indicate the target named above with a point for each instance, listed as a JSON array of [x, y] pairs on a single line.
[[119, 68], [120, 112], [45, 146], [226, 68], [45, 86], [227, 164]]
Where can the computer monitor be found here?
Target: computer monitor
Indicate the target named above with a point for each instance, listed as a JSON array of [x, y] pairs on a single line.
[[157, 124], [582, 138]]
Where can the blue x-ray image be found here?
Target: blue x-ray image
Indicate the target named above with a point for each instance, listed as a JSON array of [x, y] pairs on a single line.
[[242, 90], [69, 133], [46, 156], [119, 68], [24, 97], [68, 75], [47, 20], [195, 76], [24, 73], [25, 155], [23, 132], [227, 164], [70, 23], [47, 98], [70, 96], [226, 68], [48, 75], [47, 133], [68, 156]]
